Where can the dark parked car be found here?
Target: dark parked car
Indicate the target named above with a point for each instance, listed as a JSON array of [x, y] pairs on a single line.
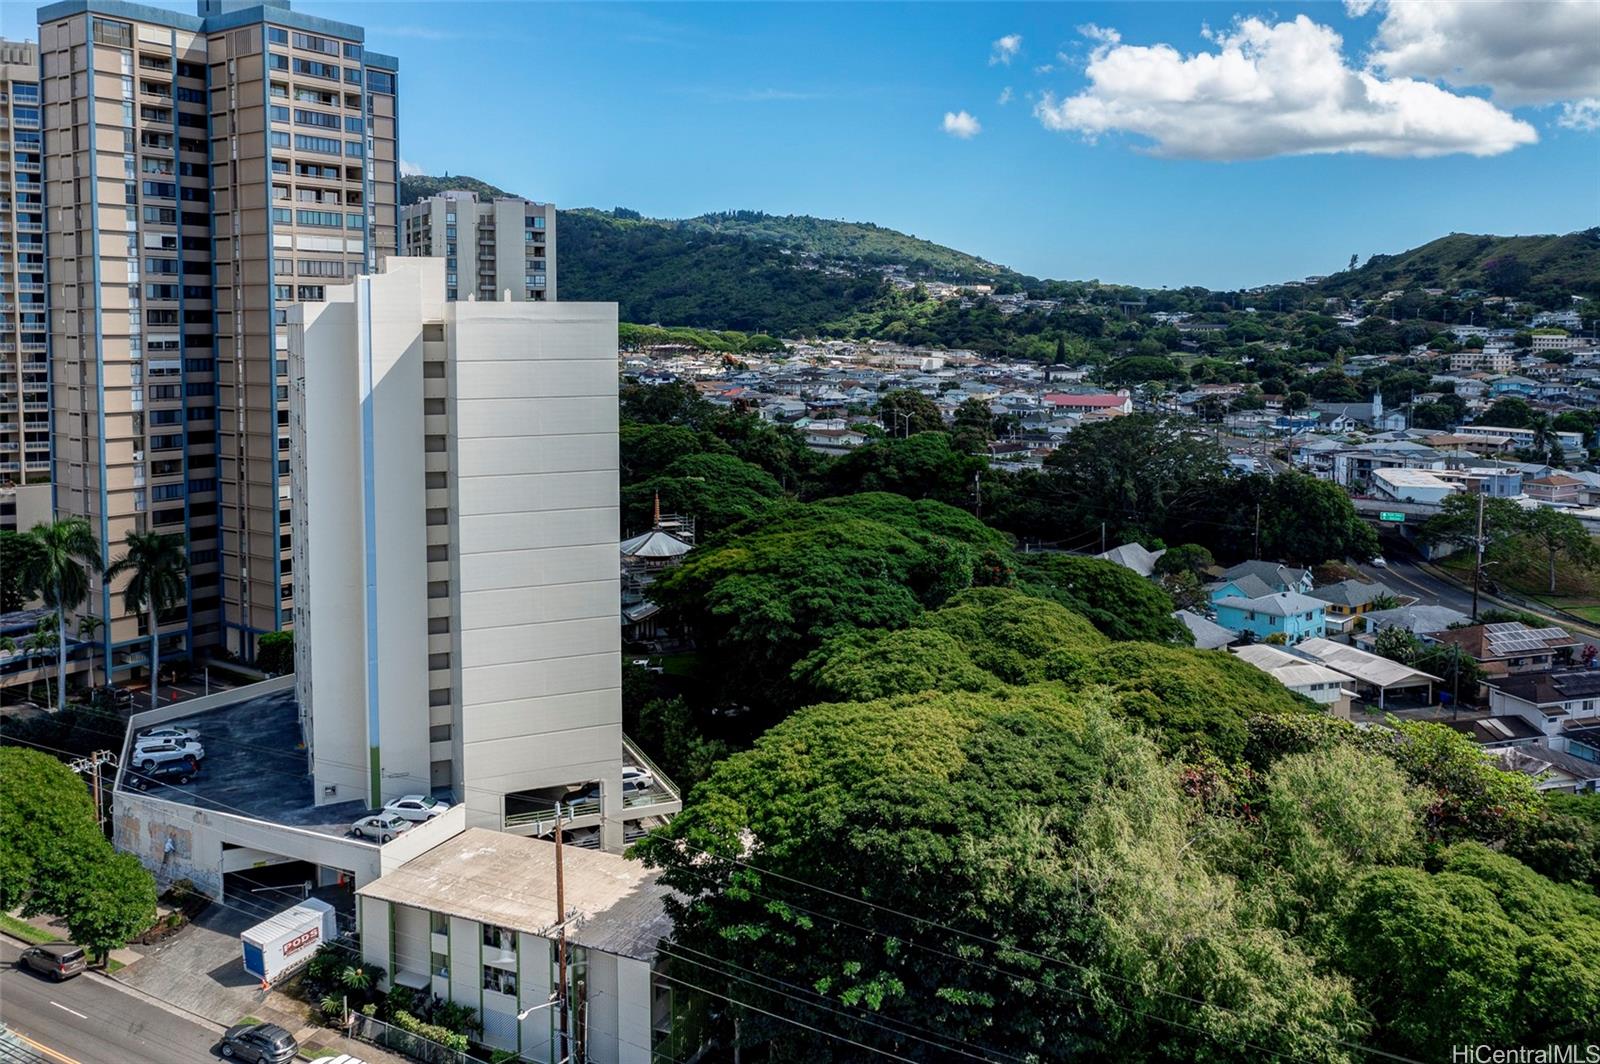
[[264, 1042], [172, 772], [58, 960]]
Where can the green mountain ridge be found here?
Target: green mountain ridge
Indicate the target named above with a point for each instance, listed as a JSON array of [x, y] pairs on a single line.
[[800, 275], [1521, 266]]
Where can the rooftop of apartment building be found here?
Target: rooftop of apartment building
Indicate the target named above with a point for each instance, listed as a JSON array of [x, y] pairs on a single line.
[[507, 881], [212, 16]]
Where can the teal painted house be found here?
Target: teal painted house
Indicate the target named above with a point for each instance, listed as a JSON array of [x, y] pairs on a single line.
[[1288, 613]]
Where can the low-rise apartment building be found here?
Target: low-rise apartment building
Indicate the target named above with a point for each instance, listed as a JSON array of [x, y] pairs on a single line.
[[474, 921]]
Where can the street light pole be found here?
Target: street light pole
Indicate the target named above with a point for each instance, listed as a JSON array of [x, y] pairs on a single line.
[[1477, 566]]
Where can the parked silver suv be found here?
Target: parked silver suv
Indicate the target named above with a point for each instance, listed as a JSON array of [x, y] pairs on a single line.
[[147, 756]]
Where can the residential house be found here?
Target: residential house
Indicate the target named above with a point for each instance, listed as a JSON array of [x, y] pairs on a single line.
[[1277, 576], [1349, 600], [1556, 489], [1371, 674], [1417, 619], [1133, 556], [1247, 585], [1289, 615], [1325, 686], [1510, 648], [1208, 635], [1558, 704]]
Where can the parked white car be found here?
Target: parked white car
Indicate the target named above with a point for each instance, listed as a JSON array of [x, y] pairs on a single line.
[[635, 778], [167, 732], [416, 807], [148, 756], [185, 743], [380, 827]]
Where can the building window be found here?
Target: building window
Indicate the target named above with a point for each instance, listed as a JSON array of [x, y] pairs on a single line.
[[277, 35], [499, 980], [502, 938]]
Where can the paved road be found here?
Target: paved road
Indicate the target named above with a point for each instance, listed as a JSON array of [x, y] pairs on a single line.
[[86, 1021], [1403, 575]]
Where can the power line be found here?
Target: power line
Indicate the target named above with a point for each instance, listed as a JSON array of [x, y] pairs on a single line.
[[1010, 948], [949, 1048], [785, 1019]]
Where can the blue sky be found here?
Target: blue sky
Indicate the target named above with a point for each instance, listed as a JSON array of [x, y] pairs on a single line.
[[1139, 166]]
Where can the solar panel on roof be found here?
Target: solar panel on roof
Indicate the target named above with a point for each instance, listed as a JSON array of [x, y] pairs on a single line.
[[1503, 627]]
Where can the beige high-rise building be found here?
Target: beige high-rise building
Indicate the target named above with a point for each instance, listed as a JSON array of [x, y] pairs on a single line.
[[202, 173], [24, 361], [490, 248]]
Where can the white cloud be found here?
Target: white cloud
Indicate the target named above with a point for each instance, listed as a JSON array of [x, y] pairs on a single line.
[[1005, 96], [960, 124], [410, 169], [1582, 115], [1005, 49], [1526, 53], [1268, 90], [1101, 34], [1044, 68]]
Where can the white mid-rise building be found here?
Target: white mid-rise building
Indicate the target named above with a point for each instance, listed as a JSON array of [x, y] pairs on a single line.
[[455, 512], [492, 249]]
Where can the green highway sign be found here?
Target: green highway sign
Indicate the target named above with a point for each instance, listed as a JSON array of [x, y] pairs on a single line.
[[1389, 515]]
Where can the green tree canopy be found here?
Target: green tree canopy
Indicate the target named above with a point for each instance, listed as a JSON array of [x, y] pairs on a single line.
[[718, 490], [1116, 600], [1029, 818], [1136, 473], [906, 413], [53, 858], [768, 591], [925, 466], [988, 637]]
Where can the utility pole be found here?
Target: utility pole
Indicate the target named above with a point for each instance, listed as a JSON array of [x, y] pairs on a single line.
[[1258, 531], [91, 765], [1477, 565], [977, 493], [561, 940], [1102, 537]]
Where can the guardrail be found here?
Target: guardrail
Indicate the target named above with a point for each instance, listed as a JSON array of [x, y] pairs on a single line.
[[655, 770], [543, 820]]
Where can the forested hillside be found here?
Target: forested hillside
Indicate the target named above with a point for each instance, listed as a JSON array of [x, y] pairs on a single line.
[[828, 238], [1540, 268], [796, 275]]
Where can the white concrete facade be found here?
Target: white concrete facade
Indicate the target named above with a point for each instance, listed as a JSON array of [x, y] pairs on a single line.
[[455, 537]]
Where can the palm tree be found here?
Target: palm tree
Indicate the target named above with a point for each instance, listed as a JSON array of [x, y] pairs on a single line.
[[65, 547], [88, 627], [158, 567]]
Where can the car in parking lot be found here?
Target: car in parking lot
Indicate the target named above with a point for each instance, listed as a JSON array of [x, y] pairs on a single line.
[[149, 755], [635, 778], [166, 733], [416, 807], [58, 960], [172, 772], [380, 827], [259, 1043]]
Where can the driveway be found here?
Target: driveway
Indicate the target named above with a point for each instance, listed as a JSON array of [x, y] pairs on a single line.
[[201, 970]]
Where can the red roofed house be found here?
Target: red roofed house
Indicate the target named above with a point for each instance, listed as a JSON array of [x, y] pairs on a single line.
[[1100, 403], [1557, 487]]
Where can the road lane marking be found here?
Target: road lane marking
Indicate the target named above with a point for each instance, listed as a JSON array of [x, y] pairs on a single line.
[[41, 1047], [63, 1008]]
